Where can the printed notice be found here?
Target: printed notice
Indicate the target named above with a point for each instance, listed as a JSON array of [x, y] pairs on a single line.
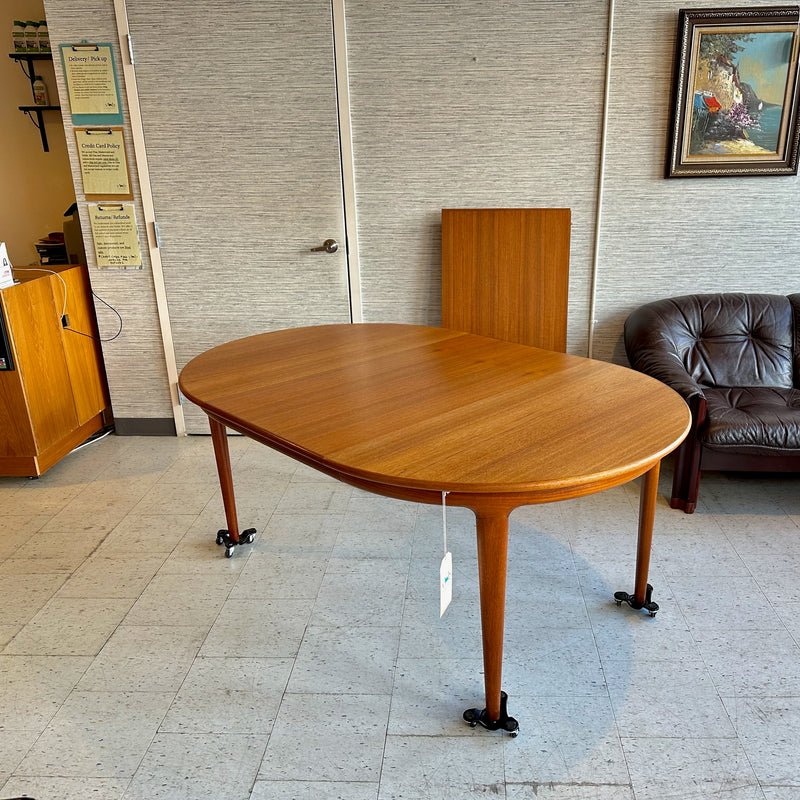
[[91, 81], [116, 242], [104, 163]]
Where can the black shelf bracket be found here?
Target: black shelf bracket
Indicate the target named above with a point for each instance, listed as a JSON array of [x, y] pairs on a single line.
[[38, 120], [28, 58]]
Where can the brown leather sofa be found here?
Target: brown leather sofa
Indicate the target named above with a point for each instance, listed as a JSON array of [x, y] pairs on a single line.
[[735, 359]]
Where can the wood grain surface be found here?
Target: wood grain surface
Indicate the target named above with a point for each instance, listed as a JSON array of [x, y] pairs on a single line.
[[423, 408]]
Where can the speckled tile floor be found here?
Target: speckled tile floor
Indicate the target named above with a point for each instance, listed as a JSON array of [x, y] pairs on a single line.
[[137, 663]]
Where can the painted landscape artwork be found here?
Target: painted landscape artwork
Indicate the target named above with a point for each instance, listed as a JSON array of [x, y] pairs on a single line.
[[735, 94], [739, 91]]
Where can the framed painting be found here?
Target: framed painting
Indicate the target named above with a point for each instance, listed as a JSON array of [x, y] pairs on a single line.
[[735, 93]]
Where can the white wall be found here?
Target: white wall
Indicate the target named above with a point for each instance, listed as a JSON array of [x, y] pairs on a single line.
[[35, 187]]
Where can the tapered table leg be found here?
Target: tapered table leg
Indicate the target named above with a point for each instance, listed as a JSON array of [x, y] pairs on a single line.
[[219, 437], [642, 590], [231, 537], [648, 494], [492, 531]]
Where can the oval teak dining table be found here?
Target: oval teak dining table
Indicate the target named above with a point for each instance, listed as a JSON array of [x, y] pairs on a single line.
[[412, 411]]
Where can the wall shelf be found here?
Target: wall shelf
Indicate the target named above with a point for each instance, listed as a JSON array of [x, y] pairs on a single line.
[[34, 112]]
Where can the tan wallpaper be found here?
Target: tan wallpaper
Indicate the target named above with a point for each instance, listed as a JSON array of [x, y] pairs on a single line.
[[135, 364], [464, 104], [662, 238], [470, 104]]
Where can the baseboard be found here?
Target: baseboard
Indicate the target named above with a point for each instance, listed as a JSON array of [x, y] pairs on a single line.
[[144, 426]]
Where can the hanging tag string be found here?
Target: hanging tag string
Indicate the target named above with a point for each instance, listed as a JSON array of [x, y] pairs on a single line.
[[444, 520]]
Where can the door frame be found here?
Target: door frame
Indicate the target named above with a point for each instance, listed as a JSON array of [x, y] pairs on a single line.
[[347, 169], [347, 158]]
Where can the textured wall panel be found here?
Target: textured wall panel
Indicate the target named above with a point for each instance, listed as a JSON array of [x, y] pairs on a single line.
[[135, 366], [663, 238], [470, 104], [465, 104], [239, 111]]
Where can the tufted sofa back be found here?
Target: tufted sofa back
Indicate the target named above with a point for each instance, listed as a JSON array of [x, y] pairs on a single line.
[[726, 339]]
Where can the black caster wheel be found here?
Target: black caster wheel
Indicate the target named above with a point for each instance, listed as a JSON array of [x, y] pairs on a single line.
[[649, 606], [245, 537], [477, 716]]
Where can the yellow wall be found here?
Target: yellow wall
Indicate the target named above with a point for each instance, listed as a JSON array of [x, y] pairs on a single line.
[[35, 187]]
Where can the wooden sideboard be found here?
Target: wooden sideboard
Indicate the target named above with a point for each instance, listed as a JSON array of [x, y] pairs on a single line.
[[55, 396]]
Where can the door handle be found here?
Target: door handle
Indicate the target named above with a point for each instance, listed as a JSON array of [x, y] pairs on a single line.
[[328, 246]]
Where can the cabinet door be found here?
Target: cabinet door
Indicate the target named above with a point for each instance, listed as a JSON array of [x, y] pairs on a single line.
[[34, 323], [242, 143]]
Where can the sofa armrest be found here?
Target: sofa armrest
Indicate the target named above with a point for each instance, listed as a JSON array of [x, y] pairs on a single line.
[[651, 349]]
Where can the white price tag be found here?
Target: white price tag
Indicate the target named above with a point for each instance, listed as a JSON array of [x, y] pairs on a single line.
[[445, 582]]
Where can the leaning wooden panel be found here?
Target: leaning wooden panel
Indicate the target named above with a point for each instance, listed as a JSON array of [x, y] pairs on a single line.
[[505, 273]]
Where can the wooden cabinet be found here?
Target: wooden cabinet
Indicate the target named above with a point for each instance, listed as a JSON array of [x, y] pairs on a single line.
[[55, 396]]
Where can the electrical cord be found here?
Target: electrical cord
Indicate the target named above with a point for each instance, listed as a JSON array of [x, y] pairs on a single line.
[[64, 318], [97, 338]]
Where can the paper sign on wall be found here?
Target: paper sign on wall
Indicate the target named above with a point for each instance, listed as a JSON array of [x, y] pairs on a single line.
[[91, 84], [104, 163], [116, 241]]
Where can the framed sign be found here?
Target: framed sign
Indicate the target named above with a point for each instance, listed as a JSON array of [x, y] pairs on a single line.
[[104, 163], [735, 94], [116, 240], [92, 85]]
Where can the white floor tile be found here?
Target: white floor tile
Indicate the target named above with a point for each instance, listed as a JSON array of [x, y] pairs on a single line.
[[346, 660], [565, 740], [182, 766], [441, 768], [229, 696], [314, 790], [259, 628], [70, 626], [344, 732], [66, 788], [136, 662], [690, 768], [114, 730], [144, 658]]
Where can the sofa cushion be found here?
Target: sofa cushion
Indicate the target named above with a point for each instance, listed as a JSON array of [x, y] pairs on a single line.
[[734, 339], [755, 420]]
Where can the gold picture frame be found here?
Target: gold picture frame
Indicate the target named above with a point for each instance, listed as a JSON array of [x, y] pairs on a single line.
[[735, 93]]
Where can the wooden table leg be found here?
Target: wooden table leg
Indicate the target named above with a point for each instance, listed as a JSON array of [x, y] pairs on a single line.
[[492, 531], [648, 494], [219, 437], [642, 590]]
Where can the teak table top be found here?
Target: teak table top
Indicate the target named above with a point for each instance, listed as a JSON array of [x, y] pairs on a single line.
[[408, 410]]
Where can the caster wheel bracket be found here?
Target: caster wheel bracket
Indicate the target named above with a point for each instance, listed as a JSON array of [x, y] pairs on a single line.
[[475, 716], [224, 538], [648, 605]]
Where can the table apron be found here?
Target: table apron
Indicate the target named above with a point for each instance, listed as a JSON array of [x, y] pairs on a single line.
[[479, 502]]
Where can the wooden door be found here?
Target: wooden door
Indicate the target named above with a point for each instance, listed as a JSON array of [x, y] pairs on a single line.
[[242, 143]]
